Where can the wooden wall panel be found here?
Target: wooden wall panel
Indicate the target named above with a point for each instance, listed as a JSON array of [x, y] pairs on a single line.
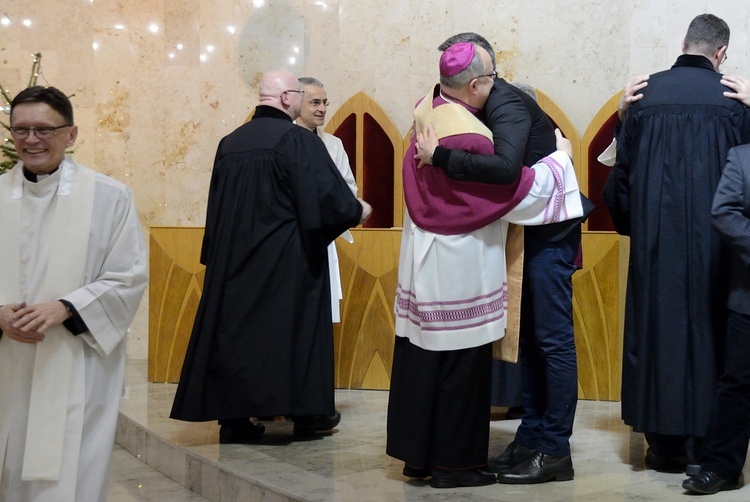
[[363, 341], [174, 291]]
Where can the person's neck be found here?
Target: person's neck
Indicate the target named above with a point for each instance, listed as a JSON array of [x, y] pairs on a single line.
[[275, 104], [456, 96]]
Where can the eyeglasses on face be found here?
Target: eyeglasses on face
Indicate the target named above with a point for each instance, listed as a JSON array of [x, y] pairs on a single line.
[[39, 132], [317, 102], [492, 75], [723, 58], [302, 93]]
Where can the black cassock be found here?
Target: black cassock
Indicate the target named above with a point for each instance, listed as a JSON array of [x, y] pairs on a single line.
[[262, 341], [670, 153]]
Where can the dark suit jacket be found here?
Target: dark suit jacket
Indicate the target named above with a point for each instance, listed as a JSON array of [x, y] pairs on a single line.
[[731, 218], [523, 135]]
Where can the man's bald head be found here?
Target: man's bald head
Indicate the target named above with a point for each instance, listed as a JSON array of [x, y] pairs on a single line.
[[280, 89]]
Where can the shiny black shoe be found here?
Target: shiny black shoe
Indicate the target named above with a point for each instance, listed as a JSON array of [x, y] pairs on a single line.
[[444, 478], [241, 434], [513, 455], [661, 463], [540, 468], [514, 413], [414, 472], [708, 483], [308, 426]]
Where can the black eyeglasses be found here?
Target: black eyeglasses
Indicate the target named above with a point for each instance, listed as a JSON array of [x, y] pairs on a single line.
[[724, 58], [317, 102], [39, 132], [493, 75]]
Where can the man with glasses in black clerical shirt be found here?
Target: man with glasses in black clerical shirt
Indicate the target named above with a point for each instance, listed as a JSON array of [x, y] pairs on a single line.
[[312, 116], [72, 273]]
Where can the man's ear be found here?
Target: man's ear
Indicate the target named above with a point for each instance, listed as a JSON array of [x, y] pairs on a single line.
[[474, 85]]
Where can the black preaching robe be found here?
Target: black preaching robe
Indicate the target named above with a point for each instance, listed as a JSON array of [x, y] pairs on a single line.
[[262, 341], [670, 153]]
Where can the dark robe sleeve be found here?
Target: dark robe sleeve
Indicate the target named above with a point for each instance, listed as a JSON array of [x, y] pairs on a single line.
[[509, 119], [211, 208], [616, 191], [324, 203]]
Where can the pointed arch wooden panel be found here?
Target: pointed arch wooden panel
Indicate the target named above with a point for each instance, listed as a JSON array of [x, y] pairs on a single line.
[[175, 287], [375, 149], [596, 139], [599, 288], [363, 340], [560, 120]]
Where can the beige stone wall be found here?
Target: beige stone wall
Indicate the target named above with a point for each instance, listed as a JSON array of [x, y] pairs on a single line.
[[157, 83]]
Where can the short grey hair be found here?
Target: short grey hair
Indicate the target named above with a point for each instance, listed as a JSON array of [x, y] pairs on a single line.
[[303, 81], [472, 37], [475, 68], [528, 89]]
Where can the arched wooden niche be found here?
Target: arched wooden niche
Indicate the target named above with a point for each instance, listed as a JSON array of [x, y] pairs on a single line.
[[375, 149], [597, 138], [560, 120], [598, 288]]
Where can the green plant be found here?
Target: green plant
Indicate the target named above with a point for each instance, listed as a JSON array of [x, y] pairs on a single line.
[[7, 148]]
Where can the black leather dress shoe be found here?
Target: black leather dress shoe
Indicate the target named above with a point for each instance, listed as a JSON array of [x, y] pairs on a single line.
[[662, 463], [539, 469], [708, 483], [307, 426], [414, 472], [514, 413], [247, 433], [513, 455], [444, 478]]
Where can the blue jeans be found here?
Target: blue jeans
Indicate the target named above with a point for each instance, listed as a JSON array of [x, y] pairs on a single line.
[[549, 376]]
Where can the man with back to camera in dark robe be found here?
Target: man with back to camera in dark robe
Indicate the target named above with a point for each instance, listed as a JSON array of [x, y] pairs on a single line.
[[262, 341], [670, 153], [522, 134]]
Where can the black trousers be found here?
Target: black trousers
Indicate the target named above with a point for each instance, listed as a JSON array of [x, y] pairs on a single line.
[[725, 446], [439, 406]]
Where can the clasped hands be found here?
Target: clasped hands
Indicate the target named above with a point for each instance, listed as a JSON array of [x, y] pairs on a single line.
[[28, 324]]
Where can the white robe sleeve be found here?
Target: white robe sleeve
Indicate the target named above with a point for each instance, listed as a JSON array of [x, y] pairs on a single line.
[[554, 196], [116, 268]]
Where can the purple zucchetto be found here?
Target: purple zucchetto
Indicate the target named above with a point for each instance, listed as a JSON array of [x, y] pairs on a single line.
[[456, 58]]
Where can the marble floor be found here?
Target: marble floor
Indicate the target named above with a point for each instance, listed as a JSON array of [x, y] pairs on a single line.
[[351, 464]]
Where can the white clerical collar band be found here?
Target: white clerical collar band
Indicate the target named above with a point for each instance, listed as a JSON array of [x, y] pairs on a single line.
[[67, 175]]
